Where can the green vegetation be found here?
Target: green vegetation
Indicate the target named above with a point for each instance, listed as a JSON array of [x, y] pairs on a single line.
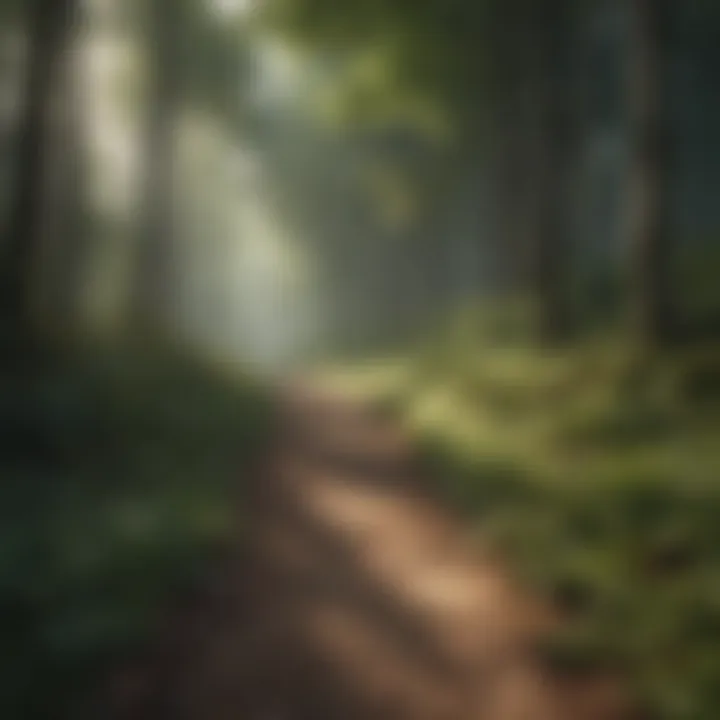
[[119, 476], [597, 475], [284, 179]]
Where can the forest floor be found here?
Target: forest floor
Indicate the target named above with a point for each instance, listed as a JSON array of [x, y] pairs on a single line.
[[352, 593]]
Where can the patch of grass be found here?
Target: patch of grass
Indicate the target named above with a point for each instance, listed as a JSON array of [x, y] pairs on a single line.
[[119, 475]]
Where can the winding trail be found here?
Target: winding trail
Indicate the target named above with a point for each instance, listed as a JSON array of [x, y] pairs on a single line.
[[354, 596]]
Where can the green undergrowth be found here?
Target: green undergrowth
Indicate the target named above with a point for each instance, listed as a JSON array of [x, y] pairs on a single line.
[[598, 476], [121, 472]]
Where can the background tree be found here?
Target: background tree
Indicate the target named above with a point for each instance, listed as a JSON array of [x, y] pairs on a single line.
[[650, 281], [50, 27], [554, 23], [166, 44]]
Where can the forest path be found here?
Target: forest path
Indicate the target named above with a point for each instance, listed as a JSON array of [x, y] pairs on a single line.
[[354, 596]]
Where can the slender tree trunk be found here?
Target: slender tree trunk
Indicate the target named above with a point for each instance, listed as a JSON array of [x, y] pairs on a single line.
[[514, 203], [50, 26], [650, 292], [551, 255], [157, 212], [61, 275], [508, 154]]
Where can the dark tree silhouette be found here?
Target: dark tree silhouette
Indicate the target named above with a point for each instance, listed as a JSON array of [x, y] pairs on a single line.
[[650, 278], [556, 155], [50, 24]]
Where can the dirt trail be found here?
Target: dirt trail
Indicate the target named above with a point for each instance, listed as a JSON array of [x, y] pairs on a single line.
[[354, 597]]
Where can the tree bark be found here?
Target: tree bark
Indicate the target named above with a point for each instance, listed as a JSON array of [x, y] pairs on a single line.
[[551, 254], [534, 153], [650, 290], [509, 156], [50, 24]]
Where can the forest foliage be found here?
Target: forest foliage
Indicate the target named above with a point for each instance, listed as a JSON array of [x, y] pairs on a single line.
[[282, 181]]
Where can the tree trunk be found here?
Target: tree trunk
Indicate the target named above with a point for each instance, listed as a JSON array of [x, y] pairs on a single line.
[[49, 31], [551, 254], [650, 292], [64, 257], [534, 152], [157, 212], [508, 155]]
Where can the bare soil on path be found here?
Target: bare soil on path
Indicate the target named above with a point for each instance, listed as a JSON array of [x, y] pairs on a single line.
[[351, 594]]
